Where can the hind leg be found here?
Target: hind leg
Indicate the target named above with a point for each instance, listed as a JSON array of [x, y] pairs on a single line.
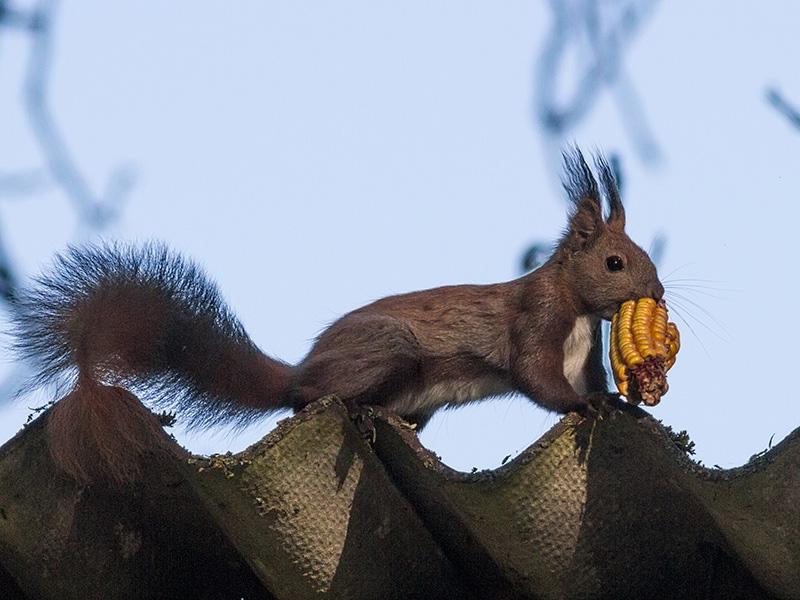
[[368, 361]]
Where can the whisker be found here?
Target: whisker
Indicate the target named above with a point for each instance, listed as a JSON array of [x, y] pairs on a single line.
[[683, 300], [668, 280], [693, 315], [675, 270], [701, 291], [689, 319], [694, 333], [697, 284]]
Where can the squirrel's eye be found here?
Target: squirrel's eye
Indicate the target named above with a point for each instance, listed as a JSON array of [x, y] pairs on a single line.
[[615, 263]]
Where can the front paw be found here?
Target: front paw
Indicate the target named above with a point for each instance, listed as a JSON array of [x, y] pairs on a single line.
[[596, 405]]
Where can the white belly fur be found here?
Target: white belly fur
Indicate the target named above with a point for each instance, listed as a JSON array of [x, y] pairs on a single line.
[[576, 352], [452, 393]]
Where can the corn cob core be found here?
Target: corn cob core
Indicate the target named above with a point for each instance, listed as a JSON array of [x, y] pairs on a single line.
[[643, 347]]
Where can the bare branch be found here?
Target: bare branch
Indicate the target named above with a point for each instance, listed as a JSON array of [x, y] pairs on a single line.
[[22, 183], [775, 98], [10, 17], [95, 213], [598, 33]]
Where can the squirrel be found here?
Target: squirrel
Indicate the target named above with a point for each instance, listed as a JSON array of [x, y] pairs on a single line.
[[109, 318]]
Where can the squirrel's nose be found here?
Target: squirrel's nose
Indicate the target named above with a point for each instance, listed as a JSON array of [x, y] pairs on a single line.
[[657, 292]]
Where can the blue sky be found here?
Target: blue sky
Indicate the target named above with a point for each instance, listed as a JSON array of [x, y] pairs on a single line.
[[316, 156]]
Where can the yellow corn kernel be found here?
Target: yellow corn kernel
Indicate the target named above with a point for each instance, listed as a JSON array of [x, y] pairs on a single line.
[[658, 327], [658, 330], [673, 341], [624, 338], [640, 327], [617, 366], [639, 331], [626, 314]]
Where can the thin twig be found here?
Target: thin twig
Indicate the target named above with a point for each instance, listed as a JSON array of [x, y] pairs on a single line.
[[599, 38], [775, 98], [93, 212]]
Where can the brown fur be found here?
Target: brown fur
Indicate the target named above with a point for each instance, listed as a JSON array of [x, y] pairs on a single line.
[[146, 319], [99, 431]]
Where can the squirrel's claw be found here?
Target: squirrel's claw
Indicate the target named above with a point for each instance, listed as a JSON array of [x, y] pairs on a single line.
[[362, 417], [599, 405]]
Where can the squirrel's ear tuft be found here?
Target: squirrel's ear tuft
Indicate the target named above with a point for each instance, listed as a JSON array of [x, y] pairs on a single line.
[[586, 221], [616, 214]]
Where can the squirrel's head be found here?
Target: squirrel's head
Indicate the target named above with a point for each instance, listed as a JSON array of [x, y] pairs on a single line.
[[604, 267]]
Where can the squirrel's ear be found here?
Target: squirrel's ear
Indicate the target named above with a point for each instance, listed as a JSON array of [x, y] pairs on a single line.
[[587, 219], [616, 214], [585, 224]]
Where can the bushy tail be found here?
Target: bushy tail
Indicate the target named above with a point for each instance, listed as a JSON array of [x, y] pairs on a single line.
[[146, 319]]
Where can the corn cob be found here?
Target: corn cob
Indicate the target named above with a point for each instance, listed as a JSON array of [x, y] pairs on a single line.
[[643, 347]]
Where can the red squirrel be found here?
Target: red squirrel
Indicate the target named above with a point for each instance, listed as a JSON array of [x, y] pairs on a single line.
[[115, 316]]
